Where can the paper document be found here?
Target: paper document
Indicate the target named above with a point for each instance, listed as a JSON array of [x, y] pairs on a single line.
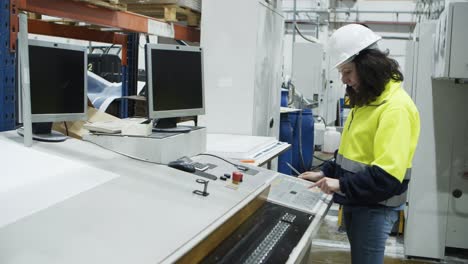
[[293, 192], [114, 126], [239, 146]]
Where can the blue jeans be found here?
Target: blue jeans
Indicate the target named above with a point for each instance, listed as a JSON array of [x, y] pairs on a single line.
[[368, 228]]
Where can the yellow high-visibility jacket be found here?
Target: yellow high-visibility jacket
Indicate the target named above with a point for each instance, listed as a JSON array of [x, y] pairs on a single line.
[[373, 162]]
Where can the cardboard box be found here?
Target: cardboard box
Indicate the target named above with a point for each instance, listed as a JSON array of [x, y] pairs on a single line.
[[75, 129]]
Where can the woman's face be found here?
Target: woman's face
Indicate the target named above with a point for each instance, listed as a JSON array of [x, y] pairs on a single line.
[[349, 75]]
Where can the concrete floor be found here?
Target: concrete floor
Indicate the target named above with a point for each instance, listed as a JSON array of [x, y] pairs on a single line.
[[331, 246]]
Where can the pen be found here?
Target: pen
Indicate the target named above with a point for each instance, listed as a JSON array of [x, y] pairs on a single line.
[[292, 168]]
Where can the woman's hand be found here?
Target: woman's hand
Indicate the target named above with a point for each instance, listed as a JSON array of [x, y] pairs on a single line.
[[327, 185], [312, 175]]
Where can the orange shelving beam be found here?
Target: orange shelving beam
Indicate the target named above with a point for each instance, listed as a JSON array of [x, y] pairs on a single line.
[[85, 12]]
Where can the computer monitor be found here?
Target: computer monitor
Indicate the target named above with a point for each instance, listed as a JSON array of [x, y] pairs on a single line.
[[174, 84], [58, 84]]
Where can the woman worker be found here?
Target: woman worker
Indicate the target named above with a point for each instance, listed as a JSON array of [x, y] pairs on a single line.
[[371, 170]]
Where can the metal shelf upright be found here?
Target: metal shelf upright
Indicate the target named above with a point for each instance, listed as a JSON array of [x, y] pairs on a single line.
[[131, 78], [7, 70]]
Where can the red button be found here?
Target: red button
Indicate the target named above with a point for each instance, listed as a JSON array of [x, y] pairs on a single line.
[[236, 177]]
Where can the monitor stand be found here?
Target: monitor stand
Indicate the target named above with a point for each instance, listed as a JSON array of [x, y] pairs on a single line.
[[43, 132], [169, 125]]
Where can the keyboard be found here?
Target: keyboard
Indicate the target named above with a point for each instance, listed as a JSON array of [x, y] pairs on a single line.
[[269, 235]]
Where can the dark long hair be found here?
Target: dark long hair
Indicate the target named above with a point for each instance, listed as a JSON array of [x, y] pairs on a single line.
[[374, 69]]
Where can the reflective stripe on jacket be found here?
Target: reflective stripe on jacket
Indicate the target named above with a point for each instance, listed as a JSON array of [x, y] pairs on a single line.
[[376, 149]]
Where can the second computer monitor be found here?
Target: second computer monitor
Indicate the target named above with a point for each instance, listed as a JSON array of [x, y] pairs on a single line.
[[174, 82]]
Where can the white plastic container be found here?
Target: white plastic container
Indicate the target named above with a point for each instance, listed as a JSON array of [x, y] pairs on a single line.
[[319, 133], [331, 140]]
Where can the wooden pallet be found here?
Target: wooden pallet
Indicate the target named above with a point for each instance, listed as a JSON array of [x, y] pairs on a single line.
[[170, 13], [61, 21], [109, 4]]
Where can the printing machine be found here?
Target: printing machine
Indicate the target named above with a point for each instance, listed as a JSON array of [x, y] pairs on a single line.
[[76, 202]]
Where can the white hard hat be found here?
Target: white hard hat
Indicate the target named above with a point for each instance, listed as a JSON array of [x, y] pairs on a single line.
[[347, 41]]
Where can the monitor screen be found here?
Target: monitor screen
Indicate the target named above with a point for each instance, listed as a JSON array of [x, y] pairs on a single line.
[[175, 81], [58, 81]]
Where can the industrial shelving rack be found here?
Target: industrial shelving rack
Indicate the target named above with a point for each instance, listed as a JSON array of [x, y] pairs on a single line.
[[7, 71], [120, 21]]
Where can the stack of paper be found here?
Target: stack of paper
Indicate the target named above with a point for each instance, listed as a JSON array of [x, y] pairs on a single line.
[[238, 146], [111, 127], [128, 126]]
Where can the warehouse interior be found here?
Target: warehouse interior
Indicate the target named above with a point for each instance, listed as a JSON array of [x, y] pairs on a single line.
[[217, 131]]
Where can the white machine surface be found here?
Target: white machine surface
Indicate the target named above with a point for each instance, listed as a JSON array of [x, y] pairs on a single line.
[[424, 195], [145, 212], [450, 42], [75, 202], [26, 188], [437, 210], [158, 147], [242, 71]]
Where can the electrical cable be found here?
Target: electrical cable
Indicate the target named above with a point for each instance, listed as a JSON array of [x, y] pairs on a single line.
[[318, 166], [324, 160], [304, 37], [298, 125], [321, 164], [291, 92], [238, 166], [323, 118], [301, 152], [108, 49], [128, 156]]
